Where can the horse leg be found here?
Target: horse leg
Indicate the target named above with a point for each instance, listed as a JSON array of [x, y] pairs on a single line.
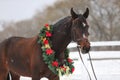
[[54, 78], [3, 69], [14, 76], [3, 74], [35, 78], [35, 75]]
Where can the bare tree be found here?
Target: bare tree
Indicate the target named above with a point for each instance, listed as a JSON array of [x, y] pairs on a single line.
[[104, 19]]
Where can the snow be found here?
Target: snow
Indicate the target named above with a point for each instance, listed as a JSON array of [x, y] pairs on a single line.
[[108, 69], [104, 69]]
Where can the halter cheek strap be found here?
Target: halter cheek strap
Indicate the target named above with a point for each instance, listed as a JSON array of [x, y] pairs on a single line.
[[74, 37]]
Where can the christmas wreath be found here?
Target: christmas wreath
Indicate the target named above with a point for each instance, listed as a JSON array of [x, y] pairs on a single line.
[[49, 54]]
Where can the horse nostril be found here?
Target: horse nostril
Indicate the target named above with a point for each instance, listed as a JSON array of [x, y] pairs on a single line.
[[85, 49]]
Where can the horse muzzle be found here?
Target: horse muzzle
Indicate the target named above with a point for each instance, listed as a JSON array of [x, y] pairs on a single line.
[[84, 45], [85, 49]]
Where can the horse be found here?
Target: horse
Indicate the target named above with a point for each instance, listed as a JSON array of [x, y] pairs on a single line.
[[21, 56]]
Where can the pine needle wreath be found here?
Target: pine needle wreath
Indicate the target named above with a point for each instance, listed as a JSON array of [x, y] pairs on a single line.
[[49, 54]]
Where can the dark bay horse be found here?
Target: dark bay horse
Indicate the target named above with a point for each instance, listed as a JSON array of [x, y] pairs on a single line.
[[23, 56]]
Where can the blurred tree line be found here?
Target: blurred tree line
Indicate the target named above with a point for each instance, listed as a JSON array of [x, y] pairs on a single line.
[[104, 19]]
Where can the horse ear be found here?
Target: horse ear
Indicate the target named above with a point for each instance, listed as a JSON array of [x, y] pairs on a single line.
[[86, 13], [73, 14]]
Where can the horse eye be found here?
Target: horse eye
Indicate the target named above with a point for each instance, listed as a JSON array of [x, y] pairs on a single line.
[[84, 24]]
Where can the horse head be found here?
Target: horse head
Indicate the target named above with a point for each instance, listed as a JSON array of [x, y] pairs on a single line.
[[79, 30]]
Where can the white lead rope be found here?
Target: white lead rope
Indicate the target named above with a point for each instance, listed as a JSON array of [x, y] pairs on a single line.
[[85, 65]]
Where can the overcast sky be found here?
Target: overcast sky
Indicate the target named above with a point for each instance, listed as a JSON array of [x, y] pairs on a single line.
[[16, 10]]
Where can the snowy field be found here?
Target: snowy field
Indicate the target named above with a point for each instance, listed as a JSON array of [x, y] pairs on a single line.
[[105, 69], [106, 64]]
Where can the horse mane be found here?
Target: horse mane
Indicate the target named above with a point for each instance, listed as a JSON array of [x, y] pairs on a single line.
[[62, 21]]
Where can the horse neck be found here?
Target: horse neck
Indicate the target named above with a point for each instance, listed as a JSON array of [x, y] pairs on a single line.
[[61, 36]]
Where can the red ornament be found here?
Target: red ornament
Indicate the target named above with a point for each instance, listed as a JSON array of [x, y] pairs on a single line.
[[55, 63], [46, 25], [45, 42], [49, 51], [69, 60], [73, 69], [48, 34], [64, 69]]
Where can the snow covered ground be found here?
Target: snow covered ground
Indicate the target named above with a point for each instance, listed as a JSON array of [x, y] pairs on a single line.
[[106, 65]]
